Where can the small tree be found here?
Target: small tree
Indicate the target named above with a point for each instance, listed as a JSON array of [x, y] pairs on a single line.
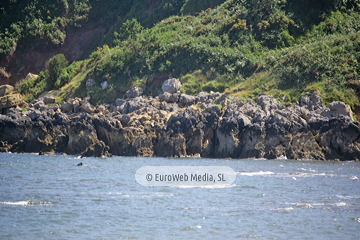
[[128, 31], [53, 71]]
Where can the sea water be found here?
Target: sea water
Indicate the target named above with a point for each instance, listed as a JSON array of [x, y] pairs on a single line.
[[50, 197]]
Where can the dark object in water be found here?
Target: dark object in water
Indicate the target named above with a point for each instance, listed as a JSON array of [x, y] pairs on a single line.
[[80, 164]]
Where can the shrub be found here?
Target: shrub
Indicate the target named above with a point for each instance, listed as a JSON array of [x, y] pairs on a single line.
[[54, 69]]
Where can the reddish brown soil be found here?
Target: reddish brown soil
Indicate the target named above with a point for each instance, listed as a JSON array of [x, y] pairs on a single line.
[[33, 61]]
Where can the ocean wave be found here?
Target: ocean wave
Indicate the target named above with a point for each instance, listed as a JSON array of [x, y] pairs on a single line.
[[192, 227], [261, 173], [312, 205], [284, 174], [208, 186], [282, 209], [347, 197], [24, 203]]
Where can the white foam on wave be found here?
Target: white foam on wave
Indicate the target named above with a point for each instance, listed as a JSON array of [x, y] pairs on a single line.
[[208, 186], [193, 227], [354, 178], [347, 197], [341, 204], [24, 203], [21, 203], [282, 209], [261, 173], [114, 193], [292, 175], [312, 205], [145, 195]]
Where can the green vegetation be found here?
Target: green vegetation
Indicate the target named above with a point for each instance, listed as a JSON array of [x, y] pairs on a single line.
[[242, 47], [25, 21], [55, 67]]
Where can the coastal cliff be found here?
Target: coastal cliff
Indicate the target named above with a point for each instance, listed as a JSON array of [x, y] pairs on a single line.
[[179, 125]]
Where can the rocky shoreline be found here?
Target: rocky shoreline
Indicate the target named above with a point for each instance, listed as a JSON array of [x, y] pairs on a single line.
[[179, 125]]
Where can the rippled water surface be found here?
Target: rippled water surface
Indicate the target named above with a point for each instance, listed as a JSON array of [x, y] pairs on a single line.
[[49, 197]]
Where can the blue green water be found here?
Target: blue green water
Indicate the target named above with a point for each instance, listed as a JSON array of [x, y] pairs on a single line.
[[49, 197]]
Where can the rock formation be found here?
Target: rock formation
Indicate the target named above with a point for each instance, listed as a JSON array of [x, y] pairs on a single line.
[[8, 98], [179, 125]]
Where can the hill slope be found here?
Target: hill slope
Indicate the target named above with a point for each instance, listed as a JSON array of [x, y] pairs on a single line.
[[244, 47]]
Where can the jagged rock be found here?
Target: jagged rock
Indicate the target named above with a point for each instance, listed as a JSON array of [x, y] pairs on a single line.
[[30, 76], [171, 85], [67, 107], [174, 97], [39, 105], [311, 102], [104, 85], [12, 112], [60, 119], [6, 90], [34, 115], [170, 98], [213, 127], [87, 107], [170, 145], [164, 97], [134, 104], [339, 109], [187, 99], [76, 106], [49, 99], [203, 96], [81, 135], [101, 109], [97, 149], [11, 100], [119, 102], [268, 103], [133, 92], [211, 108], [315, 101], [123, 118]]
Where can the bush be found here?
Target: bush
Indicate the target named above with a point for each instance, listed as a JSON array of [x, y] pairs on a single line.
[[54, 69]]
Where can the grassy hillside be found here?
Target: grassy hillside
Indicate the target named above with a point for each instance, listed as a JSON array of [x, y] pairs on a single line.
[[243, 47]]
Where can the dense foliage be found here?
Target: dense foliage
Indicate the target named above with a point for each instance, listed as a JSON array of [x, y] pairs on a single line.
[[244, 47], [24, 21]]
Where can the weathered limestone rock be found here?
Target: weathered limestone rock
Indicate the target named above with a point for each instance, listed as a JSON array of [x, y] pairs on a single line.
[[87, 107], [67, 107], [339, 109], [133, 92], [171, 85], [268, 103], [81, 135], [97, 149], [119, 102], [204, 125], [169, 97], [49, 99], [187, 99], [104, 85], [30, 76], [6, 90], [11, 100]]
